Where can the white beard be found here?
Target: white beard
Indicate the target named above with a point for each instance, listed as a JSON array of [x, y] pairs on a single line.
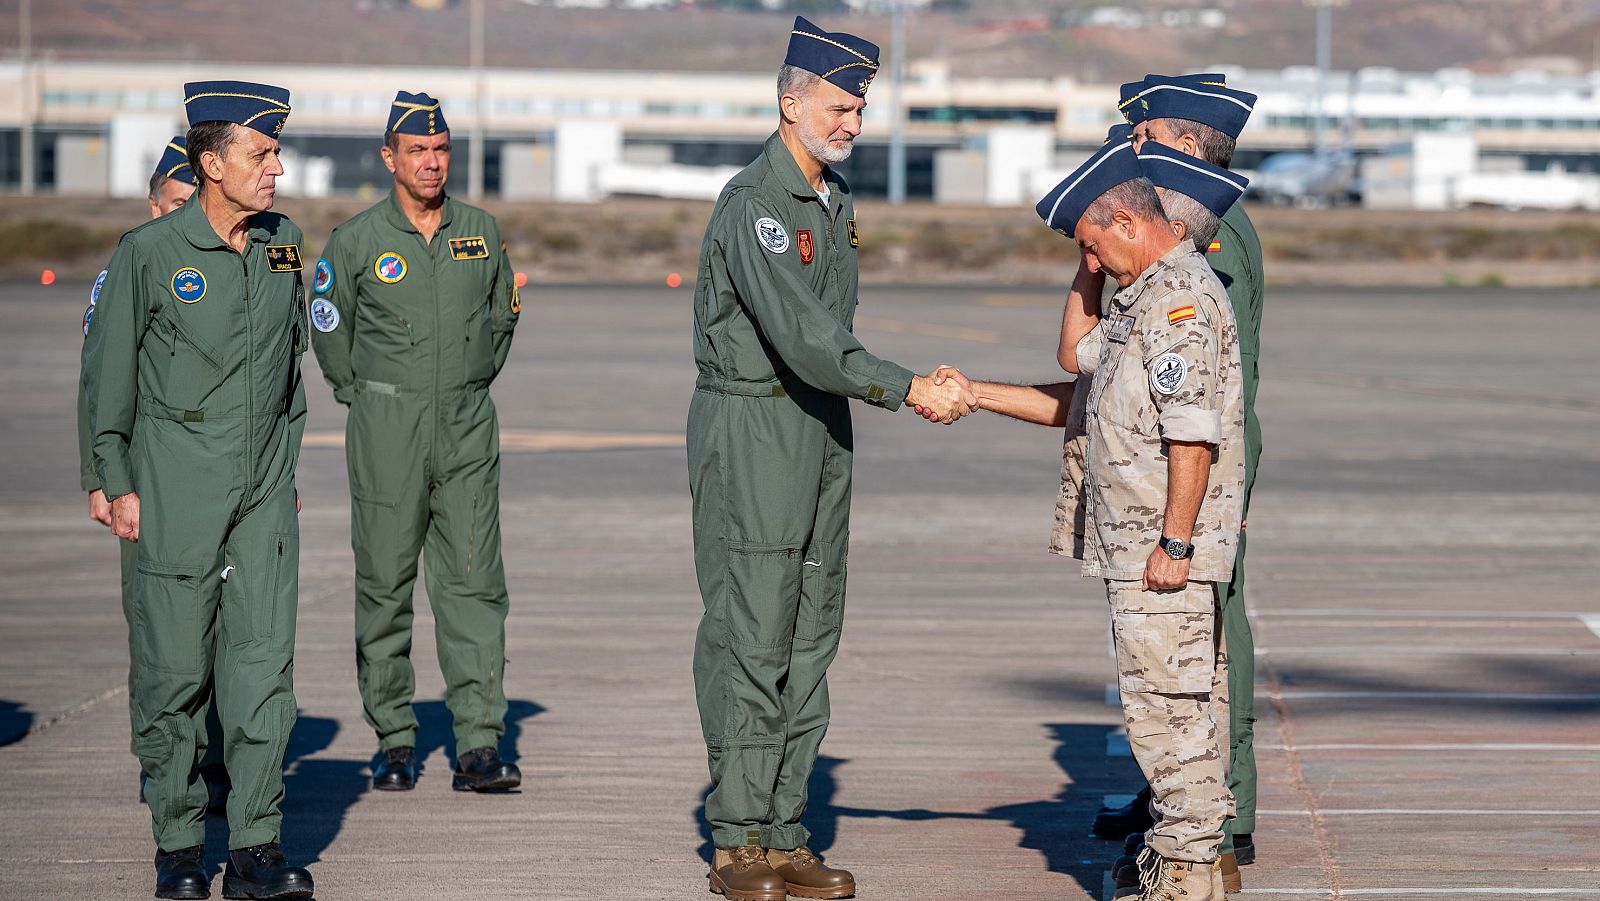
[[820, 149]]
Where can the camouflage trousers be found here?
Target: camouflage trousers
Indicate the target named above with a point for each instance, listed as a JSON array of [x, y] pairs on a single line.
[[1172, 670]]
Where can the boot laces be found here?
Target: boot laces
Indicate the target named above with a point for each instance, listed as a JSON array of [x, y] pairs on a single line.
[[802, 857], [1157, 882], [748, 855]]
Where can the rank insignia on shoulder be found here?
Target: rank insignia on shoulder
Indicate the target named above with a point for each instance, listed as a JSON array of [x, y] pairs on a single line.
[[1213, 247], [284, 258], [808, 250], [473, 248], [855, 241], [1181, 314]]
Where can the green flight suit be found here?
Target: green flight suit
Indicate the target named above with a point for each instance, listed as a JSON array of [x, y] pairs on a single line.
[[89, 480], [197, 405], [409, 334], [770, 446], [1236, 258]]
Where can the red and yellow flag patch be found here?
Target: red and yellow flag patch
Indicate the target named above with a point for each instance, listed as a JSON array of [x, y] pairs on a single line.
[[1213, 247], [1181, 314]]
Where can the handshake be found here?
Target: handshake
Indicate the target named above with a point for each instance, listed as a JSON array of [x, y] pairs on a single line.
[[943, 395]]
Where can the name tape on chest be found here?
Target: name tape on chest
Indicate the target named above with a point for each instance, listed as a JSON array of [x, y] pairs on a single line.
[[284, 258], [472, 248], [772, 235]]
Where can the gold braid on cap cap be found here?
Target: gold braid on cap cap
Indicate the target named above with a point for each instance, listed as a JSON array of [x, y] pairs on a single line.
[[411, 108], [867, 60]]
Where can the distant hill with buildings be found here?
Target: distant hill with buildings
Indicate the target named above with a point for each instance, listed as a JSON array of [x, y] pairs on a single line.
[[1094, 40]]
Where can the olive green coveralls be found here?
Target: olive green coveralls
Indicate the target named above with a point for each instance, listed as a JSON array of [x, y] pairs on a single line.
[[409, 335], [770, 446], [1236, 259], [198, 406]]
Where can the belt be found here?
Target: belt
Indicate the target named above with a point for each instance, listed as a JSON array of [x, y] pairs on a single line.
[[740, 387]]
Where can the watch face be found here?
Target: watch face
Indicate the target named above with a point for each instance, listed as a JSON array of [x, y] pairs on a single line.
[[1177, 549]]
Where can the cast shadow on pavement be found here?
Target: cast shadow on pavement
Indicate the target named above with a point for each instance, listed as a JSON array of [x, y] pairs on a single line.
[[1058, 827], [14, 722], [435, 731]]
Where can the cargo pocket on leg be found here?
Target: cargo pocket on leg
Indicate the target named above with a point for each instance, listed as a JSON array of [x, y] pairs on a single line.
[[763, 594], [822, 578], [167, 626]]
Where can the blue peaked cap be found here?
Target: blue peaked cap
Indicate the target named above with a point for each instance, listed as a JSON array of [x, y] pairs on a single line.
[[1214, 187], [1110, 166], [416, 114], [174, 162], [1129, 95], [843, 59], [1222, 108], [259, 106]]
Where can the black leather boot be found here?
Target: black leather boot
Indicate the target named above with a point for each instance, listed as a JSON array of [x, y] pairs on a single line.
[[182, 874], [1244, 849], [1131, 817], [260, 871], [396, 771], [482, 770]]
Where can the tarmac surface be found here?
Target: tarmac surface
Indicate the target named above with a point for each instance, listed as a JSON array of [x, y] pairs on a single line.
[[1423, 571]]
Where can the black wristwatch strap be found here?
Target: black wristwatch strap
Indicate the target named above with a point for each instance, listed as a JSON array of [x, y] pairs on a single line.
[[1189, 554]]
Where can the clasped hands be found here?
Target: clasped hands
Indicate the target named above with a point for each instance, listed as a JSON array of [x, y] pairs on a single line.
[[943, 395]]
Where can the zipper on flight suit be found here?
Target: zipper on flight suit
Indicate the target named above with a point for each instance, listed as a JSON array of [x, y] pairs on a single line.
[[249, 367]]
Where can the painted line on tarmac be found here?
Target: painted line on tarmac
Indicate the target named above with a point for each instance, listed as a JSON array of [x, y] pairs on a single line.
[[1356, 613], [1423, 891], [1592, 620], [1461, 392], [1445, 746], [1385, 650], [1424, 812], [929, 329], [1403, 695]]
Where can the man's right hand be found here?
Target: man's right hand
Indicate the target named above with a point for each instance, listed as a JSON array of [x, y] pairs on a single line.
[[125, 517], [944, 400], [99, 508]]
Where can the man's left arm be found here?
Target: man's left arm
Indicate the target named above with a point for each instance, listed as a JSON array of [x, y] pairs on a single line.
[[1182, 359], [505, 300]]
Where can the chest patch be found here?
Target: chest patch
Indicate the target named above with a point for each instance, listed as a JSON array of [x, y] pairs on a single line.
[[772, 235], [189, 284], [851, 224], [808, 250], [390, 267], [1168, 373], [284, 258], [473, 248], [1121, 328]]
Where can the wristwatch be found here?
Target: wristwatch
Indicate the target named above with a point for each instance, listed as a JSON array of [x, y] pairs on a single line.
[[1176, 548]]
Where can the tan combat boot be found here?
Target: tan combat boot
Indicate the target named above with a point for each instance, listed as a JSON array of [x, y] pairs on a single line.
[[1179, 880], [743, 875], [1228, 881], [808, 877]]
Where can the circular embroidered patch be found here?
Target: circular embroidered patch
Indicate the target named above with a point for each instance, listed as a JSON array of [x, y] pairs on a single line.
[[87, 315], [322, 279], [324, 315], [99, 282], [390, 267], [772, 235], [1168, 373], [188, 285]]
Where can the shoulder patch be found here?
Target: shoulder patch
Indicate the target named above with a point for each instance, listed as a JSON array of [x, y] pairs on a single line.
[[772, 235], [322, 280], [88, 316], [99, 282], [284, 258], [1181, 314], [324, 315], [473, 248], [1168, 373]]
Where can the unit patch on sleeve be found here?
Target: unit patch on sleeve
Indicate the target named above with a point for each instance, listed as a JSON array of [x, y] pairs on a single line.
[[324, 315], [772, 235], [808, 250], [284, 258], [323, 280], [1181, 314], [473, 248], [1213, 247], [1168, 373]]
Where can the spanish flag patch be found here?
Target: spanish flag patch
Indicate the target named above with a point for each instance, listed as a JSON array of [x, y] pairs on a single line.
[[1213, 247], [1181, 314]]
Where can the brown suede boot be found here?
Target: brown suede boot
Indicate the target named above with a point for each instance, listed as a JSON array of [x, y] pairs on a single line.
[[1230, 882], [808, 877], [743, 875], [1178, 880]]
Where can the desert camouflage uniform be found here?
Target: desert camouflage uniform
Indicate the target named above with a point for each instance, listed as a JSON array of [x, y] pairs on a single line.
[[1164, 365]]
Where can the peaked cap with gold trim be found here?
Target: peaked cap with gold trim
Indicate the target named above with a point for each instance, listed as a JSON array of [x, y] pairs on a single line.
[[1133, 106], [174, 162], [843, 59], [416, 114], [259, 106]]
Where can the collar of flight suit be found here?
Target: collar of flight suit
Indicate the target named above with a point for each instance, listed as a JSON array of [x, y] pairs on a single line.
[[197, 230], [398, 218], [1129, 297], [789, 175]]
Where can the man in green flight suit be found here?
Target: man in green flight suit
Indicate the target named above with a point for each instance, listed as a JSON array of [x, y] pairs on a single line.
[[197, 411], [414, 303], [770, 445], [171, 186]]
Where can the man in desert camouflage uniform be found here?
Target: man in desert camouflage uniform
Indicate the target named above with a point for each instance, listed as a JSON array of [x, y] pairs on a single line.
[[1164, 477]]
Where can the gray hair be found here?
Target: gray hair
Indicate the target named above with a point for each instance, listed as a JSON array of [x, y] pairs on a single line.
[[1211, 145], [1137, 196], [795, 80], [1200, 224], [157, 179]]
